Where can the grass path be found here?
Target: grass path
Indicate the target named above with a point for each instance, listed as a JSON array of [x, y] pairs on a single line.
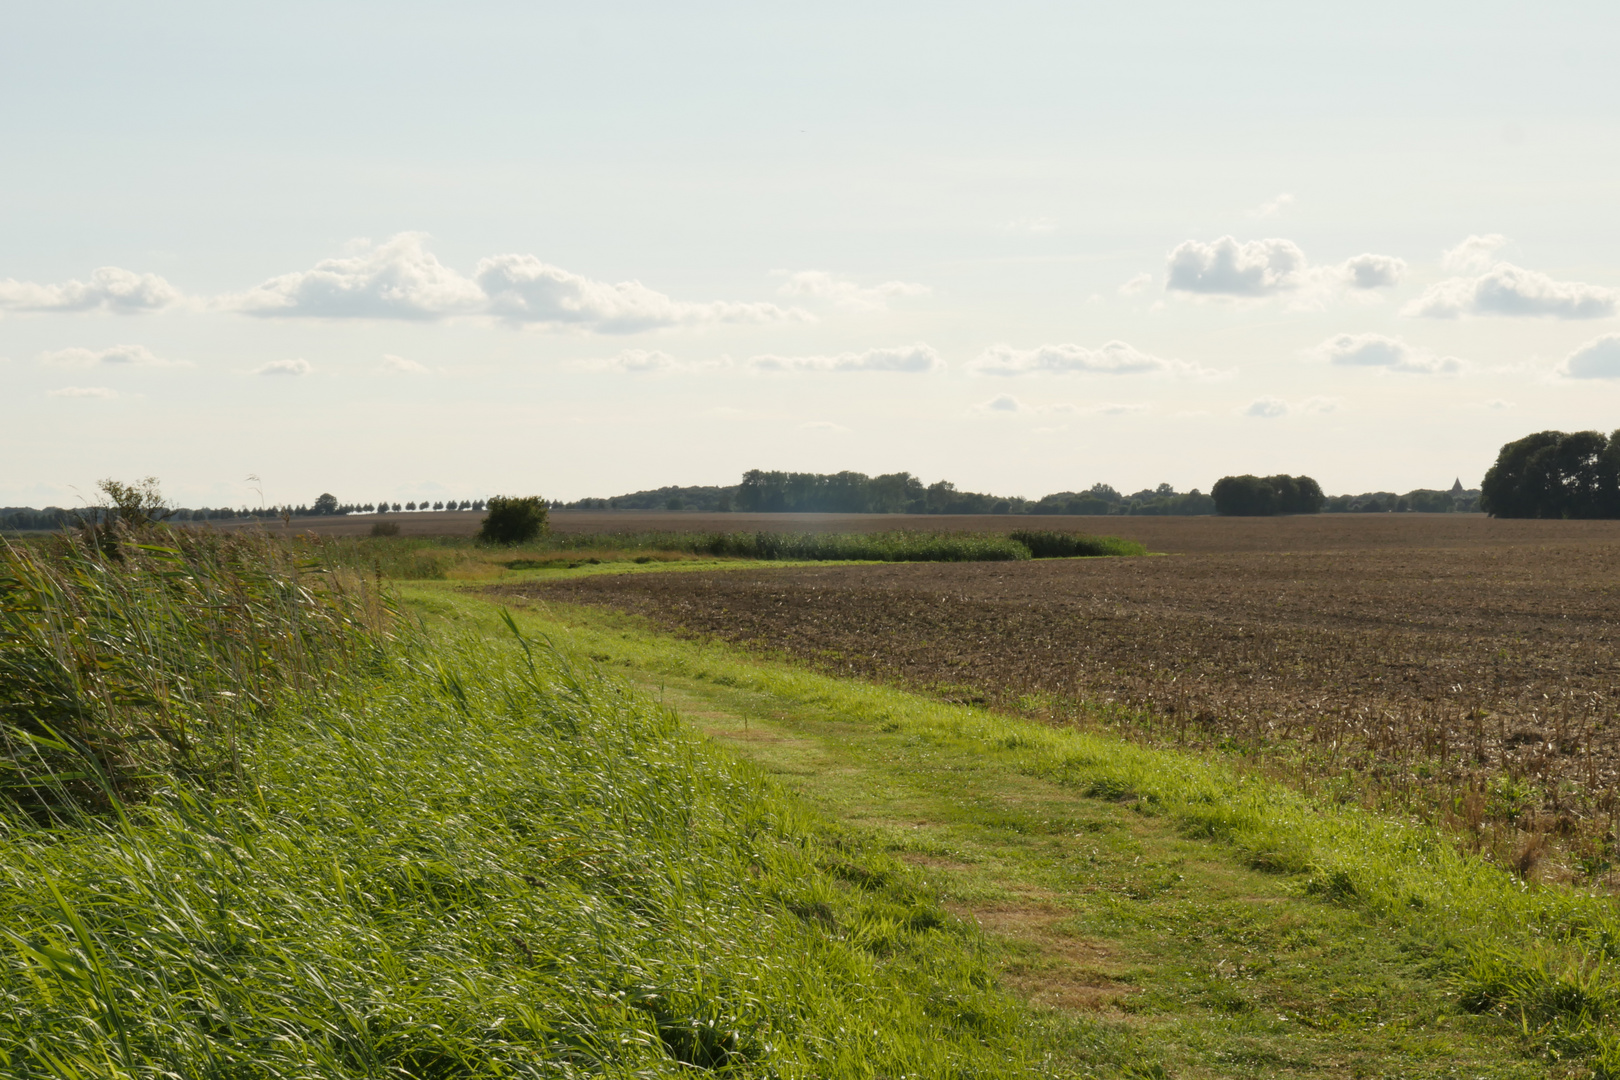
[[1122, 931]]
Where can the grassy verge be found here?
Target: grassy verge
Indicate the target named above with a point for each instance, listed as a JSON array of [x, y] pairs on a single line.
[[1539, 960], [456, 854]]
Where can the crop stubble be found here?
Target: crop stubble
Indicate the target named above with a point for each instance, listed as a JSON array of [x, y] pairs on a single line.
[[1466, 661]]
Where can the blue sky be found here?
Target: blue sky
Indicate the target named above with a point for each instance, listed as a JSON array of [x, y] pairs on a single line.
[[396, 250]]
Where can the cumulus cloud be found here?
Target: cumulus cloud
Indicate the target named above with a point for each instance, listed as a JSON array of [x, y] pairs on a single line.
[[1257, 269], [1269, 408], [401, 279], [1386, 353], [913, 359], [820, 285], [1228, 268], [1369, 271], [1474, 255], [117, 356], [1506, 289], [1113, 358], [1597, 359], [398, 365], [1136, 284], [1273, 207], [299, 366], [522, 289], [1004, 403], [398, 279], [109, 289], [83, 392]]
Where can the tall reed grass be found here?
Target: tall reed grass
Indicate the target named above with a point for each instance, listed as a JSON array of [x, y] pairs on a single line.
[[132, 655]]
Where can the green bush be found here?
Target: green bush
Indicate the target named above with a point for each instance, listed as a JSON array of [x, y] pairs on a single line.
[[514, 520]]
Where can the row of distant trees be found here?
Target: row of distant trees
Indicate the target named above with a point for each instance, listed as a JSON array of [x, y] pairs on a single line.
[[28, 519], [764, 491], [857, 493]]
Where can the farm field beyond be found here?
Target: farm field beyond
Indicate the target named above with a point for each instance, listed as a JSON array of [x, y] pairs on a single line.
[[1467, 660]]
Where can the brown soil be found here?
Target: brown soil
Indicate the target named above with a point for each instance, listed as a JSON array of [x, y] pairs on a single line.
[[1401, 643]]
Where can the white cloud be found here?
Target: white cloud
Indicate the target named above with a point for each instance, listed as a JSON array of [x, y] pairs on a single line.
[[83, 392], [1369, 271], [1136, 284], [299, 366], [822, 425], [1506, 289], [117, 356], [1004, 403], [1474, 255], [398, 279], [1228, 268], [1113, 358], [522, 289], [109, 289], [1387, 353], [1597, 359], [401, 279], [1263, 268], [907, 358], [398, 365], [1273, 207], [1269, 408], [820, 285]]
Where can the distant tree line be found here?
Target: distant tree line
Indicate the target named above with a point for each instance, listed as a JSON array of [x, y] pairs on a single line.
[[764, 491], [28, 519], [1555, 474]]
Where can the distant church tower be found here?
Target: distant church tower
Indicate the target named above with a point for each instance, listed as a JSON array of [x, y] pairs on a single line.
[[1457, 488]]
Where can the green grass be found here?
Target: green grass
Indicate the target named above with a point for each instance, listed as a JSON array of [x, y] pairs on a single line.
[[450, 850], [1395, 925], [467, 856]]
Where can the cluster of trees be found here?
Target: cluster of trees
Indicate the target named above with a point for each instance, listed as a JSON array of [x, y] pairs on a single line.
[[1261, 496], [1555, 474], [891, 493]]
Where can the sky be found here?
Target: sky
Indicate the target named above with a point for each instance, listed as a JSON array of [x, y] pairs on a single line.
[[395, 251]]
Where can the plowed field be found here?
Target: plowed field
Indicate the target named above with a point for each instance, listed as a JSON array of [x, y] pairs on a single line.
[[1489, 656]]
